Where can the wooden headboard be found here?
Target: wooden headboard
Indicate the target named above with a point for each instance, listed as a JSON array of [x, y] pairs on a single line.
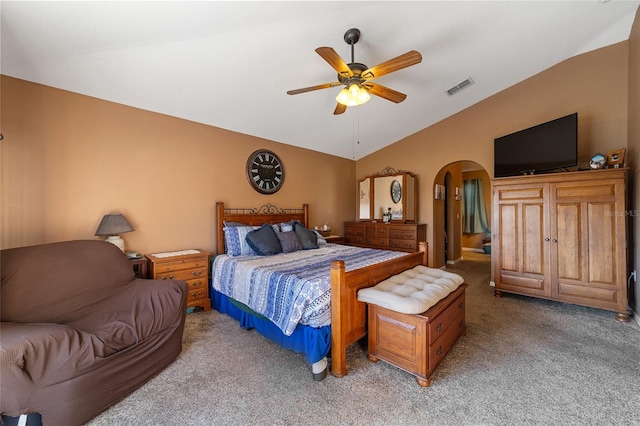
[[267, 213]]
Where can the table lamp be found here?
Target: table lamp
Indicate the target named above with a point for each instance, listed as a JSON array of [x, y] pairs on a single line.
[[111, 226]]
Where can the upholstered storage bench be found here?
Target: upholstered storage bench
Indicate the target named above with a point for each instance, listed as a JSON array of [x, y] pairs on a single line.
[[415, 318]]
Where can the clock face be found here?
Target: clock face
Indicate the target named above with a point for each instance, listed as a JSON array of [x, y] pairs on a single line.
[[265, 171], [396, 191]]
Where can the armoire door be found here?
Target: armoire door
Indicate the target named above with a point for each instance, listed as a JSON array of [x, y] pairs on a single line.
[[519, 247], [588, 243]]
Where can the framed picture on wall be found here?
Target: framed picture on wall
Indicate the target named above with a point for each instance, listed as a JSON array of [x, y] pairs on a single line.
[[439, 192]]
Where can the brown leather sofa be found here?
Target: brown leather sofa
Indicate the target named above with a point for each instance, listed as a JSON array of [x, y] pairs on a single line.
[[79, 332]]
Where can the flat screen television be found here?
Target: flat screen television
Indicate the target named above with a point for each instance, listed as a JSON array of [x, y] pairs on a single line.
[[539, 149]]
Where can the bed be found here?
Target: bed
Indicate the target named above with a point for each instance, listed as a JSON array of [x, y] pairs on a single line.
[[347, 316]]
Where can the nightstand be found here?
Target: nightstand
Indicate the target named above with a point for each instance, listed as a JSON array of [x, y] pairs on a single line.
[[191, 266], [139, 266]]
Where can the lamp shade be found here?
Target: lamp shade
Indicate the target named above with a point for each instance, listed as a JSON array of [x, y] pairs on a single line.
[[114, 224]]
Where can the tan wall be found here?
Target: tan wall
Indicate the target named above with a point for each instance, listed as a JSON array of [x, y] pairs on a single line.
[[69, 159], [593, 84], [475, 241], [634, 155]]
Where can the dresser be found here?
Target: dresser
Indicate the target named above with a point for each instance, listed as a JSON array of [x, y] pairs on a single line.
[[191, 266], [563, 237], [387, 236]]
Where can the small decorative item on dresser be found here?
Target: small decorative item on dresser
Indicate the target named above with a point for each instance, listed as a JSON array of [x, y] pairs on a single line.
[[597, 162], [324, 230], [191, 266], [615, 158]]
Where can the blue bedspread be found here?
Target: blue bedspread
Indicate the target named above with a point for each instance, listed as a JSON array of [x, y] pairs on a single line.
[[290, 288]]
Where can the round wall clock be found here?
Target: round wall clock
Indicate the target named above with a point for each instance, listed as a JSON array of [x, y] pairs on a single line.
[[396, 191], [265, 171]]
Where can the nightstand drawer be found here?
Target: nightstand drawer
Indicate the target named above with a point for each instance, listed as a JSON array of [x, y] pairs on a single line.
[[183, 275], [197, 283], [176, 266], [199, 293]]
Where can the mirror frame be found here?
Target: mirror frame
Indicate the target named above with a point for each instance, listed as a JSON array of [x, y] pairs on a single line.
[[367, 208]]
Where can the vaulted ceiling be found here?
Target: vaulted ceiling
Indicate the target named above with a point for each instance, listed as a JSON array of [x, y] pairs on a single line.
[[230, 64]]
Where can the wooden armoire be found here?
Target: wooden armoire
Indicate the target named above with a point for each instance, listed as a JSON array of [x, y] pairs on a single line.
[[563, 237]]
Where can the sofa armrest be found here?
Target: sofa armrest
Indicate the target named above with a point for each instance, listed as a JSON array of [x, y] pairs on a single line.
[[33, 356], [142, 309]]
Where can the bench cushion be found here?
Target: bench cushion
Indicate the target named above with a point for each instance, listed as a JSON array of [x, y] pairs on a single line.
[[412, 291]]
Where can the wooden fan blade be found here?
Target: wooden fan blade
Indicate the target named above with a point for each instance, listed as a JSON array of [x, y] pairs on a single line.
[[339, 109], [312, 88], [336, 62], [403, 61], [385, 92]]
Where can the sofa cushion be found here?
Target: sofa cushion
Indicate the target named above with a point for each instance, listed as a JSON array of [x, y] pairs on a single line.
[[49, 282]]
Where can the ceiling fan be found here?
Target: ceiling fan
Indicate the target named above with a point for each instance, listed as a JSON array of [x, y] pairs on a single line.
[[356, 77]]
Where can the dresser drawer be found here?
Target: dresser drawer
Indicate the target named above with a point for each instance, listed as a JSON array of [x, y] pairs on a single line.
[[382, 232], [378, 242], [161, 267], [403, 233], [404, 245], [184, 274], [438, 326], [357, 231], [354, 239]]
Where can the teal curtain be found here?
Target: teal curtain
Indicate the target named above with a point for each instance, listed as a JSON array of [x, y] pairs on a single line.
[[474, 218]]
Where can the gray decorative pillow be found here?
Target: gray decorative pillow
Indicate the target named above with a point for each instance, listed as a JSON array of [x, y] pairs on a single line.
[[264, 241], [289, 241], [287, 226], [307, 237]]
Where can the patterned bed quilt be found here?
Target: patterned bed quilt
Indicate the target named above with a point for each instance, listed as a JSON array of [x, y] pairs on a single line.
[[290, 288]]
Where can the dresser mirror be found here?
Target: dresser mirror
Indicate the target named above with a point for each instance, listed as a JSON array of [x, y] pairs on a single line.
[[389, 191]]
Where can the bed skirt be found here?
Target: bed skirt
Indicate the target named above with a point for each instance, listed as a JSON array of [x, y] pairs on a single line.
[[314, 343]]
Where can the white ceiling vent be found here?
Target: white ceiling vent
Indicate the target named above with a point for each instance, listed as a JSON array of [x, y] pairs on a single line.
[[458, 87]]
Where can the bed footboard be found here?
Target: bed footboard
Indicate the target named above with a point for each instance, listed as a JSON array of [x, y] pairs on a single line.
[[348, 315]]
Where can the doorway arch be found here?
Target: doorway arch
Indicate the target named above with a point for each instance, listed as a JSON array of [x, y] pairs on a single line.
[[448, 239]]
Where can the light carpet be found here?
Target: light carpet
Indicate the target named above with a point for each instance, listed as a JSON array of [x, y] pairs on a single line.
[[523, 361]]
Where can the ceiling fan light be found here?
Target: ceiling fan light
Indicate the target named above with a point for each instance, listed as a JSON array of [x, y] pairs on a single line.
[[353, 95], [363, 96]]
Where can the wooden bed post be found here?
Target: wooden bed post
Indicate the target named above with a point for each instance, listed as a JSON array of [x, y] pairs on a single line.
[[423, 246], [338, 343], [219, 226], [305, 210]]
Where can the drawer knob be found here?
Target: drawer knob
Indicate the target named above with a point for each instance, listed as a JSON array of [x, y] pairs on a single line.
[[461, 305], [439, 328], [439, 351]]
